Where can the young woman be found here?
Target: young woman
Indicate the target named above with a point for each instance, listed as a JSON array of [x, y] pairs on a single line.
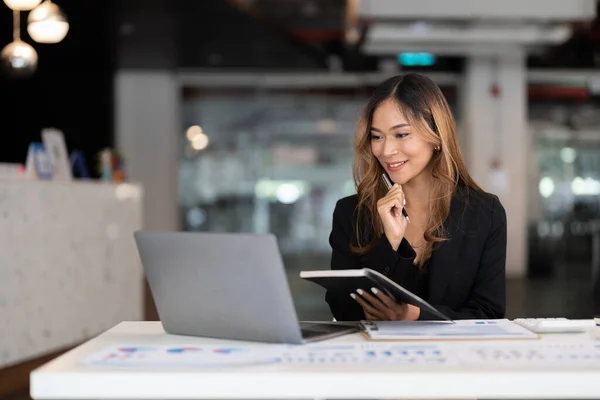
[[452, 250]]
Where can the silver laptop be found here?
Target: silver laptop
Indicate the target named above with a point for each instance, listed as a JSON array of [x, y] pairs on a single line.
[[225, 285]]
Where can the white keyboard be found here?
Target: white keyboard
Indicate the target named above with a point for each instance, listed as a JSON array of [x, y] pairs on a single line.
[[553, 325]]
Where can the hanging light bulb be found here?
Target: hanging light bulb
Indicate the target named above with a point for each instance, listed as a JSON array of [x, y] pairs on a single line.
[[19, 59], [47, 23], [22, 5]]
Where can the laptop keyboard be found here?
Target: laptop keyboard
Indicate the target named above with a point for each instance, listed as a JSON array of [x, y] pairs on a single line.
[[310, 330]]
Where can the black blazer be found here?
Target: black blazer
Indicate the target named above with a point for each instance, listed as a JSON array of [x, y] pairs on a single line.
[[466, 272]]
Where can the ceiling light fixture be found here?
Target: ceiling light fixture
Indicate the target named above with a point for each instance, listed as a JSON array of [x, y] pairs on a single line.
[[46, 24]]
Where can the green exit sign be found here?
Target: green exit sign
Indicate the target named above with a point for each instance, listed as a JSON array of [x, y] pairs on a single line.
[[412, 59]]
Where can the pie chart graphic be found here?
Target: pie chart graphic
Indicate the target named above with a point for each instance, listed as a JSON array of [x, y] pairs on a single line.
[[134, 349], [184, 355], [227, 350], [179, 350]]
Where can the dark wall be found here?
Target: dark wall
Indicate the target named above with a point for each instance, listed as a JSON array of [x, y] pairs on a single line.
[[215, 34], [71, 90], [205, 34]]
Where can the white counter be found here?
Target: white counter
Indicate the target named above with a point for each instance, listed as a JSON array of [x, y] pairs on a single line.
[[464, 369], [69, 268]]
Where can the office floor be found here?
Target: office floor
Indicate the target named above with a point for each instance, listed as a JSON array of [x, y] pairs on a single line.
[[568, 295], [22, 395]]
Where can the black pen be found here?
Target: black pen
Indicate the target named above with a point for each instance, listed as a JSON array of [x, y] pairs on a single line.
[[388, 184]]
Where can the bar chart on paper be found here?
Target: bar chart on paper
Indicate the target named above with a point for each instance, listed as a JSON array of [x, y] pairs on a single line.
[[401, 355], [314, 354], [165, 356]]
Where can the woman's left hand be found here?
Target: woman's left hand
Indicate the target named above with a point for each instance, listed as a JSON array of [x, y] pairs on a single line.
[[379, 307]]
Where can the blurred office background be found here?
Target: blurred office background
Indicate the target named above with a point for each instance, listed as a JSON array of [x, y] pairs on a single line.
[[238, 116]]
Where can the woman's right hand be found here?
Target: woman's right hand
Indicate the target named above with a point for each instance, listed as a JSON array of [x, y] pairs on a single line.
[[389, 208]]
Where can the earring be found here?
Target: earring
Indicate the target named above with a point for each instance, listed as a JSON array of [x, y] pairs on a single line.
[[437, 148]]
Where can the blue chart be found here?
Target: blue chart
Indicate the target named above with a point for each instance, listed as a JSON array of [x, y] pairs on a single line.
[[372, 354], [215, 356], [183, 356], [509, 355]]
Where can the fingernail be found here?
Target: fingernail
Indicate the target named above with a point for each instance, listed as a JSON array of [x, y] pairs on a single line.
[[374, 290], [359, 291], [353, 295]]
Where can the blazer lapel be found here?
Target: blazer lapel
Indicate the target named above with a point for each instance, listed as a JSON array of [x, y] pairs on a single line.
[[444, 259]]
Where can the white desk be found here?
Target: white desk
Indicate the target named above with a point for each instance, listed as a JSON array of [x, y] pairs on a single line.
[[67, 378]]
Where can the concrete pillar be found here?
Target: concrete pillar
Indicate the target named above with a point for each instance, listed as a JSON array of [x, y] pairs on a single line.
[[148, 130], [496, 140]]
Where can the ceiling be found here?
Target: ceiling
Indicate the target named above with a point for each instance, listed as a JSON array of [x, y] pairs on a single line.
[[323, 24], [280, 35]]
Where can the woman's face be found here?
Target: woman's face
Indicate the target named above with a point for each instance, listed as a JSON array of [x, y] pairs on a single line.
[[400, 149]]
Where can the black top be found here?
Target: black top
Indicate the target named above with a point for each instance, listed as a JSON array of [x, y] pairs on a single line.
[[465, 276], [417, 280]]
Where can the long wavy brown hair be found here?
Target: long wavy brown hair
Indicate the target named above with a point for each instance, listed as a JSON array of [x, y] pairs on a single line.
[[421, 101]]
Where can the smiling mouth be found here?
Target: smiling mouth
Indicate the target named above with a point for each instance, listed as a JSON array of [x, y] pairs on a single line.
[[396, 165]]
